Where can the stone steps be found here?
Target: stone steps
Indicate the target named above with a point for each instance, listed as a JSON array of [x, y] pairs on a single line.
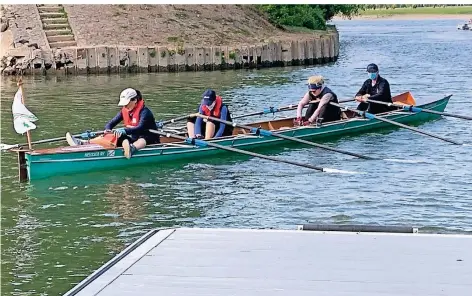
[[46, 9], [62, 44], [57, 38], [55, 21], [43, 5], [57, 32], [56, 26], [51, 15]]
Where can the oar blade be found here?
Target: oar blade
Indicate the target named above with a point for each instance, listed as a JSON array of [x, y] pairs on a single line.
[[336, 171], [5, 147]]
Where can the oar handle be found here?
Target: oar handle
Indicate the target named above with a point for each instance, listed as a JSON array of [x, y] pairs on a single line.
[[272, 110], [180, 118]]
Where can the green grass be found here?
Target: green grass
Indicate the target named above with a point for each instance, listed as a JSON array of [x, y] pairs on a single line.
[[420, 10]]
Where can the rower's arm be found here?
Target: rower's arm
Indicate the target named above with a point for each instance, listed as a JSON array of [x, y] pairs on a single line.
[[112, 123], [383, 93], [303, 102], [198, 122], [363, 89], [224, 116]]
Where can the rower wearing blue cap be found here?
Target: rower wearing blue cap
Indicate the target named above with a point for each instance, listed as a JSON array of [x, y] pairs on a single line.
[[211, 105], [374, 88]]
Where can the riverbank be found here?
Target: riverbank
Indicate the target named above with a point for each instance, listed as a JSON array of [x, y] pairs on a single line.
[[450, 12], [459, 17], [119, 38], [130, 59], [420, 10]]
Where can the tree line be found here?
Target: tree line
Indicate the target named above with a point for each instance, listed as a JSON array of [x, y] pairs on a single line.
[[393, 6], [315, 16], [311, 16]]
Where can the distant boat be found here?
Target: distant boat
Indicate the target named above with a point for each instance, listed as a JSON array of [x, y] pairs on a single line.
[[465, 26]]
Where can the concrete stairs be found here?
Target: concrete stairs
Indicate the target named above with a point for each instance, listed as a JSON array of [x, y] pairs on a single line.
[[56, 26]]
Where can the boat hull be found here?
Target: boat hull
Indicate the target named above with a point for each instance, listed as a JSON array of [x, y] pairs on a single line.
[[81, 159]]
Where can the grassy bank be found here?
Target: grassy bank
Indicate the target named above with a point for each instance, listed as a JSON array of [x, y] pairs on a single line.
[[419, 10]]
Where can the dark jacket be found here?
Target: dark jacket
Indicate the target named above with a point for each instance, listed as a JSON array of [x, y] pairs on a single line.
[[379, 92], [328, 111], [146, 122]]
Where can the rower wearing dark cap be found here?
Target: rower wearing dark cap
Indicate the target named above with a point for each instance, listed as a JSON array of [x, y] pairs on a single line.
[[374, 88], [211, 105]]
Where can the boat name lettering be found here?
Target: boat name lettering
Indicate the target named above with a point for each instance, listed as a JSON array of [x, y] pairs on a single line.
[[94, 154]]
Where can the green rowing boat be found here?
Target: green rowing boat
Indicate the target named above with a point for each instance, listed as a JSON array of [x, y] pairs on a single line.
[[64, 160]]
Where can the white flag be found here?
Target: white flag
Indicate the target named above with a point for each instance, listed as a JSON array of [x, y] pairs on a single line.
[[22, 118]]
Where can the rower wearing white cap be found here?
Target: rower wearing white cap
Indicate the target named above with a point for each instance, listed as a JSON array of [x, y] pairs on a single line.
[[137, 119]]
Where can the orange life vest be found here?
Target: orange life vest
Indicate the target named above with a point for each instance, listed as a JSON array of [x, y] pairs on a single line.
[[216, 112], [134, 119], [111, 139]]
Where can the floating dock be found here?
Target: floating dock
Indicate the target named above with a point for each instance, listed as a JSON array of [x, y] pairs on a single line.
[[205, 261]]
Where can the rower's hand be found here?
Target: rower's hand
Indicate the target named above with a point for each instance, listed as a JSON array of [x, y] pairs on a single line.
[[198, 136], [362, 98], [119, 132], [298, 121], [308, 122], [107, 131]]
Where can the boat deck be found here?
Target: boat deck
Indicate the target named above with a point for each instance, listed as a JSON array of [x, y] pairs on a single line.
[[195, 261]]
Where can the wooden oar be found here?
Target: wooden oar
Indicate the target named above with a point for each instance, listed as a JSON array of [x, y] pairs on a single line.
[[4, 147], [263, 132], [202, 143], [266, 111], [372, 116], [160, 124], [285, 108], [414, 109]]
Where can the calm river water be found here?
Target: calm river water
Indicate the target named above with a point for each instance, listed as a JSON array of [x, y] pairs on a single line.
[[57, 231]]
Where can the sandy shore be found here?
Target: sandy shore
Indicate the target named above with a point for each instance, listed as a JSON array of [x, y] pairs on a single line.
[[459, 17]]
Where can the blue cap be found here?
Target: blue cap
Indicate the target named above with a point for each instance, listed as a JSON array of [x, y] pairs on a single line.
[[209, 96], [315, 86], [372, 68]]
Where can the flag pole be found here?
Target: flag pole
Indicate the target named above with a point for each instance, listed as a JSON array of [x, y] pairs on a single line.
[[28, 135]]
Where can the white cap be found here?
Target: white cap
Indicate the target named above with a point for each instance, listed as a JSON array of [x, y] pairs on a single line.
[[126, 96]]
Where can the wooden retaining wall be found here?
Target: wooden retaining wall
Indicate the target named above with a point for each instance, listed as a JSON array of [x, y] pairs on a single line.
[[116, 59]]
